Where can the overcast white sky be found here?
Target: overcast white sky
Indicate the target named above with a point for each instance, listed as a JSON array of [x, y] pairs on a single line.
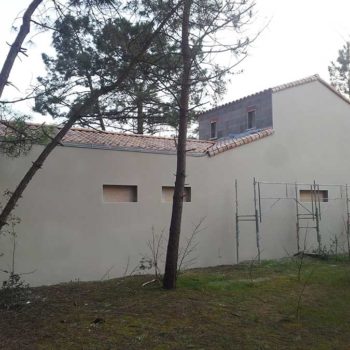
[[301, 40]]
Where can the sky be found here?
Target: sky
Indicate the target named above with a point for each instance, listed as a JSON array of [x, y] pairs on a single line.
[[301, 39]]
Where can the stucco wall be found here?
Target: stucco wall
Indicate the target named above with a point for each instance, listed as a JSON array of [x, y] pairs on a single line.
[[310, 143], [68, 232], [233, 118]]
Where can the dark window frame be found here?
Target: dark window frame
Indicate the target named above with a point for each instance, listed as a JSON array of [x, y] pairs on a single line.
[[213, 132], [251, 119]]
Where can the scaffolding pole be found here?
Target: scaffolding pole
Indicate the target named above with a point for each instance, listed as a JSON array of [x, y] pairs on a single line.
[[304, 212], [248, 218], [256, 219], [347, 219], [237, 223], [297, 211], [314, 214]]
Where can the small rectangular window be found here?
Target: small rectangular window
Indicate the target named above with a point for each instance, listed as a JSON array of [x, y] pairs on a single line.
[[251, 119], [311, 196], [213, 130], [119, 193], [168, 194]]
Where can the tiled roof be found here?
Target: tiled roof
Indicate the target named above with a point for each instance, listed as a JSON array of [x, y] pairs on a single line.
[[295, 83], [111, 140], [89, 138], [282, 87], [129, 142], [227, 144]]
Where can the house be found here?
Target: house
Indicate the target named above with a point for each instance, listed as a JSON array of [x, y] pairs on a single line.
[[97, 200]]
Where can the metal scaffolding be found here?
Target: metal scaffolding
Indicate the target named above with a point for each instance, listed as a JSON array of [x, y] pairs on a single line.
[[256, 217], [347, 218], [303, 213]]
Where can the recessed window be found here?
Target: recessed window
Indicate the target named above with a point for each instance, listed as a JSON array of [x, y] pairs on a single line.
[[251, 119], [119, 193], [168, 194], [213, 133], [311, 196]]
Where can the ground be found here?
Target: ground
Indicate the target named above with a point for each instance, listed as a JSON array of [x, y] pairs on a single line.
[[227, 307]]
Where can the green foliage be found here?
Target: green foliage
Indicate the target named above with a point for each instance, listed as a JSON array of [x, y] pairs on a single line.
[[90, 54], [93, 49], [92, 3], [339, 71], [14, 292], [17, 136]]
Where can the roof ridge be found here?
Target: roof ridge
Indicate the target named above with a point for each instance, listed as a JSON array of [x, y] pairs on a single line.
[[297, 82], [234, 101], [315, 77]]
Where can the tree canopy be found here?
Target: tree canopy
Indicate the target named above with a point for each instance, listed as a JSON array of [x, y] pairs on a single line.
[[339, 71], [92, 52]]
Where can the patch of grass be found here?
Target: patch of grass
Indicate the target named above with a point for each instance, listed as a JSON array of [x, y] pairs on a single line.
[[225, 307]]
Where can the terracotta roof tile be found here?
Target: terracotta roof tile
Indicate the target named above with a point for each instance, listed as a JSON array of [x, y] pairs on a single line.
[[225, 145], [90, 138], [103, 139]]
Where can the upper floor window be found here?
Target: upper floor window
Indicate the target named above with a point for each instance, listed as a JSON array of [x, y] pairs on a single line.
[[251, 119], [213, 133]]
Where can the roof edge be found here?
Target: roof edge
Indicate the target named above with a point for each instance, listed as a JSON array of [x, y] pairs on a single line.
[[278, 88], [234, 143]]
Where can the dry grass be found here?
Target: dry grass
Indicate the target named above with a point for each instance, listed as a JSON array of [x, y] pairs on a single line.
[[214, 308]]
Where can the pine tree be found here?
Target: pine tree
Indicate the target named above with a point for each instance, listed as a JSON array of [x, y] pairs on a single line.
[[339, 71], [91, 54], [210, 32]]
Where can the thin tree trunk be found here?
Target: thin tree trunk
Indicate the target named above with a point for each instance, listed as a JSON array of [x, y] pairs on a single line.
[[75, 113], [97, 105], [16, 195], [17, 44], [140, 120], [169, 281]]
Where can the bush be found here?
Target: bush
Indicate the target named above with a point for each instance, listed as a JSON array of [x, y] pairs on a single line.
[[14, 292]]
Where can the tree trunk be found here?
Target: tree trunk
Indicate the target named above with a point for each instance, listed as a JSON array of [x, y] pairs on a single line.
[[140, 120], [169, 281], [17, 44], [76, 112], [97, 110], [16, 195]]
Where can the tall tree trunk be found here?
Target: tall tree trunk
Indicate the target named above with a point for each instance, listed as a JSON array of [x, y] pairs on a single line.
[[17, 44], [169, 281], [76, 112], [97, 105], [140, 120]]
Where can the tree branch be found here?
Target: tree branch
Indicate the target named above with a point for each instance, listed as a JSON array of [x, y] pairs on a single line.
[[16, 47]]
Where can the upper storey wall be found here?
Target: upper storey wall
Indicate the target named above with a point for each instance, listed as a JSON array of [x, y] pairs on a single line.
[[233, 117]]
